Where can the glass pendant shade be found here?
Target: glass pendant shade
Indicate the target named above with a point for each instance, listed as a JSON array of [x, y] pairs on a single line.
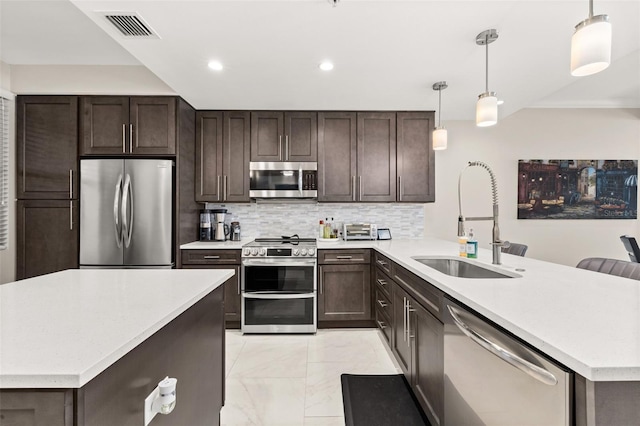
[[591, 46], [439, 138], [487, 110]]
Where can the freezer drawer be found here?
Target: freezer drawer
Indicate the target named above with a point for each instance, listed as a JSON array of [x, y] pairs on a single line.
[[493, 379]]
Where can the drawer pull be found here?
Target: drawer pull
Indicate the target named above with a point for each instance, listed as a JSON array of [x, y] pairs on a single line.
[[344, 257], [381, 282], [381, 262], [212, 257], [381, 325], [382, 304]]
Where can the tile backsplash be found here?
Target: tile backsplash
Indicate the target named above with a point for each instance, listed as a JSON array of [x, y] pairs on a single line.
[[269, 219]]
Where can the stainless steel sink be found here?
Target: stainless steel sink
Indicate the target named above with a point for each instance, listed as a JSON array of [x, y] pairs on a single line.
[[461, 268]]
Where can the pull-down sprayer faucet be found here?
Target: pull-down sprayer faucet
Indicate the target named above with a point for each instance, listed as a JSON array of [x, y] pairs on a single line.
[[496, 243]]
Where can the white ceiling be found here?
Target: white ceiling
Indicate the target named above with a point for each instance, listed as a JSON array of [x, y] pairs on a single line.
[[387, 54]]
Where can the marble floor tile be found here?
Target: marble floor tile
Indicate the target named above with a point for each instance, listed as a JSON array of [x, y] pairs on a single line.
[[263, 401], [275, 358]]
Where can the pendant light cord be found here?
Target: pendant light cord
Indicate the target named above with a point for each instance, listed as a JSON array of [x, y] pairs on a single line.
[[486, 43], [590, 8], [439, 106]]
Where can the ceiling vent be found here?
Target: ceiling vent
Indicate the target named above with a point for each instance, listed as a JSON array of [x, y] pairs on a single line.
[[130, 24]]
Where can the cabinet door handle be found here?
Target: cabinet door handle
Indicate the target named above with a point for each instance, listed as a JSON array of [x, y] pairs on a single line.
[[71, 184], [130, 138], [218, 190], [71, 215], [280, 147], [321, 281], [344, 257], [224, 187], [124, 138], [408, 323], [354, 188], [404, 319], [382, 304], [381, 262], [381, 325], [381, 282], [360, 188], [400, 188], [212, 257], [286, 147]]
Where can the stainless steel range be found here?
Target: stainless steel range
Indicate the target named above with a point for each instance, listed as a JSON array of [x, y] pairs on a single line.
[[279, 285]]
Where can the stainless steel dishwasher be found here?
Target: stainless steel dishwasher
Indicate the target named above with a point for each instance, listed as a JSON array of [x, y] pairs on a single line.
[[490, 378]]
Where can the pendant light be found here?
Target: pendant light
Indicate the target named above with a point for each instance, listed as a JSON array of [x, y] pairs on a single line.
[[440, 133], [591, 45], [487, 106]]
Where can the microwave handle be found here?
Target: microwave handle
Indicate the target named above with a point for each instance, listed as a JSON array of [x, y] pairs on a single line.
[[300, 180]]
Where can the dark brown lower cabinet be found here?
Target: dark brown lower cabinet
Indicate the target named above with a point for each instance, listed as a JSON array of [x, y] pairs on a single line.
[[344, 292], [189, 348], [220, 259], [47, 236], [417, 344]]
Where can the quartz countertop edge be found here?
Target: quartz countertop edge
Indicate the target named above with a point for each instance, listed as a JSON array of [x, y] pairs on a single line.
[[66, 344], [214, 245]]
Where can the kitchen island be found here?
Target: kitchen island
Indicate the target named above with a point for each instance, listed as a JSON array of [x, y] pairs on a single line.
[[86, 347], [587, 321]]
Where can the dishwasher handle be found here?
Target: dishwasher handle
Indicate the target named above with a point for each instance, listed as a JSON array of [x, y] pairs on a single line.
[[538, 373]]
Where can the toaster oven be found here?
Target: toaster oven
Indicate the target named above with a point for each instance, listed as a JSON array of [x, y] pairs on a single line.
[[360, 231]]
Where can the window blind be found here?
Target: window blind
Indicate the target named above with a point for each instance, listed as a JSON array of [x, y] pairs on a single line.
[[4, 173]]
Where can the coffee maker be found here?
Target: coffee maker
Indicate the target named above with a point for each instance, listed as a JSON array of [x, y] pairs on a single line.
[[206, 229], [220, 229]]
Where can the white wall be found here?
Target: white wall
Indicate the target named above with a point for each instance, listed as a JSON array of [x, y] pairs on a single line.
[[8, 256], [532, 134]]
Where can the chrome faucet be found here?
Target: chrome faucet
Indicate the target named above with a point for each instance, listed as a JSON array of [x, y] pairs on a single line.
[[496, 243]]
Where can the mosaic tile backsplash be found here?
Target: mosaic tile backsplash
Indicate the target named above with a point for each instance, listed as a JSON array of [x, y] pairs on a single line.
[[268, 219]]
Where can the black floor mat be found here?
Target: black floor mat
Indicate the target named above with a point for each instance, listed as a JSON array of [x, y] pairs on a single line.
[[380, 400]]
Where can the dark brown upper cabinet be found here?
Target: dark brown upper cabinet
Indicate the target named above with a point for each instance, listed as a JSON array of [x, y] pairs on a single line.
[[376, 178], [121, 125], [337, 162], [47, 147], [284, 136], [222, 156], [415, 157]]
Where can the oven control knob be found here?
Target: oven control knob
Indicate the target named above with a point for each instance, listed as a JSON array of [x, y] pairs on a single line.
[[254, 252], [262, 252], [296, 252], [246, 252], [311, 252], [304, 252]]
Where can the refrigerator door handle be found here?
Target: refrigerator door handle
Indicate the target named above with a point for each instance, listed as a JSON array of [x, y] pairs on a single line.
[[117, 197], [127, 225]]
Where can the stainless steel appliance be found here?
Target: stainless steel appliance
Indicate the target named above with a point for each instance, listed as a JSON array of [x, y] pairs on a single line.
[[360, 231], [235, 231], [279, 286], [493, 379], [283, 180], [220, 229], [126, 213]]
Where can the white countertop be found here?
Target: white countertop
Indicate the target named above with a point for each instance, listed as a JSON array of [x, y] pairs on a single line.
[[588, 321], [61, 330], [214, 245]]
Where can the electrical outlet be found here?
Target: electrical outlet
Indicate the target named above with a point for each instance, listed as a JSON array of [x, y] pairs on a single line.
[[148, 401]]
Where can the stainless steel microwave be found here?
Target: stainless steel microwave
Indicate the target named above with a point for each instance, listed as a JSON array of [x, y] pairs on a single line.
[[277, 179]]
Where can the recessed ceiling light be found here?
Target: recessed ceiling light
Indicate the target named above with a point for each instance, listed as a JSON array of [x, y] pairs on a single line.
[[215, 65], [500, 101], [326, 66]]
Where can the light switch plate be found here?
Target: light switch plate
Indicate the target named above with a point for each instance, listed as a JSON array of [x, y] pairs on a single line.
[[148, 401]]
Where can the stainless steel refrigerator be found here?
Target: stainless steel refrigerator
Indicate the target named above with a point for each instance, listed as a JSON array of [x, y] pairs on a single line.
[[126, 216]]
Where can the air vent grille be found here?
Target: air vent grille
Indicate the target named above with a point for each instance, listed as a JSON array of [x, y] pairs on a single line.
[[131, 25]]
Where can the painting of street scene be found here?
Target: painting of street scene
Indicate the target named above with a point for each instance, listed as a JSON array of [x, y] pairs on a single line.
[[577, 189]]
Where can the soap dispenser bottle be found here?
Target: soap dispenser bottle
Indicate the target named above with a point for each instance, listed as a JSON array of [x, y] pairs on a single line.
[[462, 245], [472, 246]]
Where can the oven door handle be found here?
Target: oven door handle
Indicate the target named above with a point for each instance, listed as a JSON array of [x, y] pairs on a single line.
[[278, 262], [271, 295]]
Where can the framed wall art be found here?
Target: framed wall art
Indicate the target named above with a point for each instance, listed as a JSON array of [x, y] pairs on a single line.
[[577, 189]]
